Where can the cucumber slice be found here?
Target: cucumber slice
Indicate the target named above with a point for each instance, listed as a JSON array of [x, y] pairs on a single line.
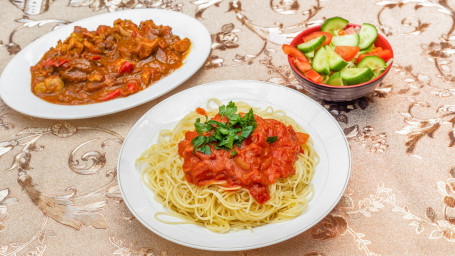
[[336, 63], [368, 34], [368, 49], [335, 79], [352, 76], [347, 40], [372, 62], [311, 45], [321, 62], [334, 24], [309, 55]]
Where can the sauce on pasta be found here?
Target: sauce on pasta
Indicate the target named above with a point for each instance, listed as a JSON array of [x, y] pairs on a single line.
[[258, 161], [227, 175]]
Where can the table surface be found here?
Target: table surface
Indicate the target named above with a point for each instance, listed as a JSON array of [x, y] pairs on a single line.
[[58, 187]]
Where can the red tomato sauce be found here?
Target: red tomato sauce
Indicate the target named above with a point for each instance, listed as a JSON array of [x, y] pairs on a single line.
[[256, 165]]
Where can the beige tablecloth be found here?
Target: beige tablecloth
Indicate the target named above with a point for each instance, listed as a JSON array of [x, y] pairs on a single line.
[[58, 187]]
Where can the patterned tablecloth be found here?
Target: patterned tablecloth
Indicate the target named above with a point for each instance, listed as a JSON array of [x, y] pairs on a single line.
[[58, 187]]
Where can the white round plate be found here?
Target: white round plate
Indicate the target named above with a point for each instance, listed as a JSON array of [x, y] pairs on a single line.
[[330, 180], [15, 82]]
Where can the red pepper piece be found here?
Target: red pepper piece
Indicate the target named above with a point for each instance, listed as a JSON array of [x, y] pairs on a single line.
[[386, 55], [55, 63], [314, 76], [111, 95], [293, 51], [302, 64], [126, 67], [49, 62], [136, 33], [133, 87], [95, 57], [61, 62]]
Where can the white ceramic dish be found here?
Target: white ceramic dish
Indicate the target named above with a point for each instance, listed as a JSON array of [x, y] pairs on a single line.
[[329, 182], [15, 89]]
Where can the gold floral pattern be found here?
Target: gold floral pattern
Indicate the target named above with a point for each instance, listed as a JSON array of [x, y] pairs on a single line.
[[35, 246], [277, 35], [337, 222], [5, 200], [31, 7], [442, 49], [113, 5], [376, 143], [122, 250], [330, 227], [63, 209]]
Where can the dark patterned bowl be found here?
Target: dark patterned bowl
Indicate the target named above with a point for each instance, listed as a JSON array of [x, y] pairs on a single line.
[[338, 93]]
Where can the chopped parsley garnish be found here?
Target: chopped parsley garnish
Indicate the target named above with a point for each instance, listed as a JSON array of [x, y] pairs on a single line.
[[224, 135], [272, 139]]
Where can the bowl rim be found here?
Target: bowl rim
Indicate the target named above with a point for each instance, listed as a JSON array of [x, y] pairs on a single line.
[[317, 28]]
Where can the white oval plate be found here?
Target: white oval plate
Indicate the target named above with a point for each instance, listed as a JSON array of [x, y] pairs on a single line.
[[15, 82], [330, 180]]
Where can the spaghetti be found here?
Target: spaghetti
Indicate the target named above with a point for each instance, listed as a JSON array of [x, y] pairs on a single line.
[[219, 207]]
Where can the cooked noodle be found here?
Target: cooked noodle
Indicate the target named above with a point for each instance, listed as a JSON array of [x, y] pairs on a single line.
[[219, 208]]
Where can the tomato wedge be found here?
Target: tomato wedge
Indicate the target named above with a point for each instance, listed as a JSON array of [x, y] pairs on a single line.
[[347, 52], [313, 76], [375, 50], [201, 111], [386, 55], [350, 31], [302, 137], [302, 64], [328, 37], [293, 51]]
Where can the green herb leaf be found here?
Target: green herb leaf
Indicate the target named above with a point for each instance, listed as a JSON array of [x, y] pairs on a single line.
[[233, 153], [205, 149], [202, 127], [224, 135], [197, 142], [223, 130], [235, 119], [218, 124], [272, 139], [218, 135], [229, 110], [248, 119], [247, 131], [228, 141]]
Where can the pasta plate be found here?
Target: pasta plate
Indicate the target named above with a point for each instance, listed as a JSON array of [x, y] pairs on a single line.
[[330, 179]]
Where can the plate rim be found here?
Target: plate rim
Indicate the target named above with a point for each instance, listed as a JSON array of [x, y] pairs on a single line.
[[105, 108], [208, 248]]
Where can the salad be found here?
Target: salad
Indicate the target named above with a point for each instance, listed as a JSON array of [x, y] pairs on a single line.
[[340, 54]]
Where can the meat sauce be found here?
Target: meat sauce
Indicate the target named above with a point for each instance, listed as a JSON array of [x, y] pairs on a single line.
[[256, 165], [110, 62]]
